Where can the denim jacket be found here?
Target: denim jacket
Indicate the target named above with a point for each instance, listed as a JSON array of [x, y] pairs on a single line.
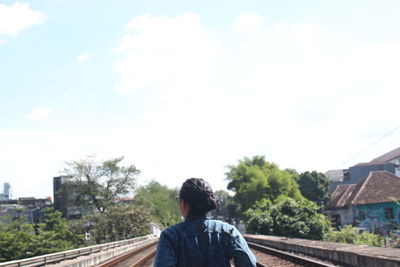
[[201, 242]]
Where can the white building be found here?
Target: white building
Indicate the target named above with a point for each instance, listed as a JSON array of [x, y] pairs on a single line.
[[334, 175]]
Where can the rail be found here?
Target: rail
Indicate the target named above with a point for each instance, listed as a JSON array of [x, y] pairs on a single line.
[[71, 254], [289, 256], [138, 262]]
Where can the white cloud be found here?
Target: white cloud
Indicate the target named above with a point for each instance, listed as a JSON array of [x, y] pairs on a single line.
[[2, 42], [248, 22], [162, 50], [14, 19], [39, 114], [286, 90], [66, 95], [83, 57]]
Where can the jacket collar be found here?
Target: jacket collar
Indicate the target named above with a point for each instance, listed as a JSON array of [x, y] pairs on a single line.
[[195, 217]]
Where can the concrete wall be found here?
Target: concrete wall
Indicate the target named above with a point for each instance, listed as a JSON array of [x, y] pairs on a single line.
[[346, 215], [375, 219], [357, 173]]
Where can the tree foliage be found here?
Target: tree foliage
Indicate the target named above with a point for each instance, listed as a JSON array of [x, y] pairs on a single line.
[[287, 217], [161, 201], [314, 186], [256, 179], [119, 222], [98, 184], [227, 208], [19, 240]]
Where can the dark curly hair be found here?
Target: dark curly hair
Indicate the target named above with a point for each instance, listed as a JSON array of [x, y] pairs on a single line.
[[198, 194]]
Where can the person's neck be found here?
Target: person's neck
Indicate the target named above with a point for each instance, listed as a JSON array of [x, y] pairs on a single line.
[[195, 215]]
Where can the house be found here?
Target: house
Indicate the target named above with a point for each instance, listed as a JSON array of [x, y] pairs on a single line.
[[356, 173], [376, 202], [389, 161], [338, 209], [390, 157], [372, 203]]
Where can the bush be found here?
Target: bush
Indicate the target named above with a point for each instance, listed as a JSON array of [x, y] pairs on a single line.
[[287, 217], [350, 235]]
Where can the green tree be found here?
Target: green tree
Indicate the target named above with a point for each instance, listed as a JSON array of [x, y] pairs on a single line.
[[117, 223], [55, 234], [98, 184], [256, 179], [293, 172], [314, 186], [227, 208], [161, 201], [287, 217], [19, 239]]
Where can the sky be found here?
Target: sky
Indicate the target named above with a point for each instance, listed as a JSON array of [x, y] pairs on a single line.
[[186, 88]]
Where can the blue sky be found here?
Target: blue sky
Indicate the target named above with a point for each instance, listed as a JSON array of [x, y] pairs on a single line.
[[185, 88]]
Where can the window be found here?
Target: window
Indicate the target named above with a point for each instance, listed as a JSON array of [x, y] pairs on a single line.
[[361, 215], [389, 214]]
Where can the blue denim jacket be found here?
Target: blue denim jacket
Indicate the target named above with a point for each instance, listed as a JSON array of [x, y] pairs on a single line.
[[201, 242]]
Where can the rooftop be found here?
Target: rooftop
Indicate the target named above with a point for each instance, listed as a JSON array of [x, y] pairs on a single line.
[[377, 187], [341, 195], [395, 153]]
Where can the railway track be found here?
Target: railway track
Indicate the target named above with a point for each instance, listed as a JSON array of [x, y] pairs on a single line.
[[266, 257], [270, 257], [136, 258]]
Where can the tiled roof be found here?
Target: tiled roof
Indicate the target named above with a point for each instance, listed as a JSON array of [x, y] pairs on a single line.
[[341, 195], [378, 187], [388, 156]]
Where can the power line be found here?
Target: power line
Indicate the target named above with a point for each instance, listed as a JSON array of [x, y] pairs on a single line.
[[369, 146]]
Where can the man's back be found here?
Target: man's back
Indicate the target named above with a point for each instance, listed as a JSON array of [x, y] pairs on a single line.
[[199, 241]]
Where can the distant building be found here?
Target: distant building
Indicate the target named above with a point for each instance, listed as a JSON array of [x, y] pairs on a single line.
[[9, 211], [6, 192], [68, 199], [334, 175], [356, 173], [371, 204], [29, 207], [35, 203], [387, 162], [390, 157], [64, 193]]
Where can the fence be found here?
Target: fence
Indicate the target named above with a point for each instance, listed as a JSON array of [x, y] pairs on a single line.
[[70, 254]]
